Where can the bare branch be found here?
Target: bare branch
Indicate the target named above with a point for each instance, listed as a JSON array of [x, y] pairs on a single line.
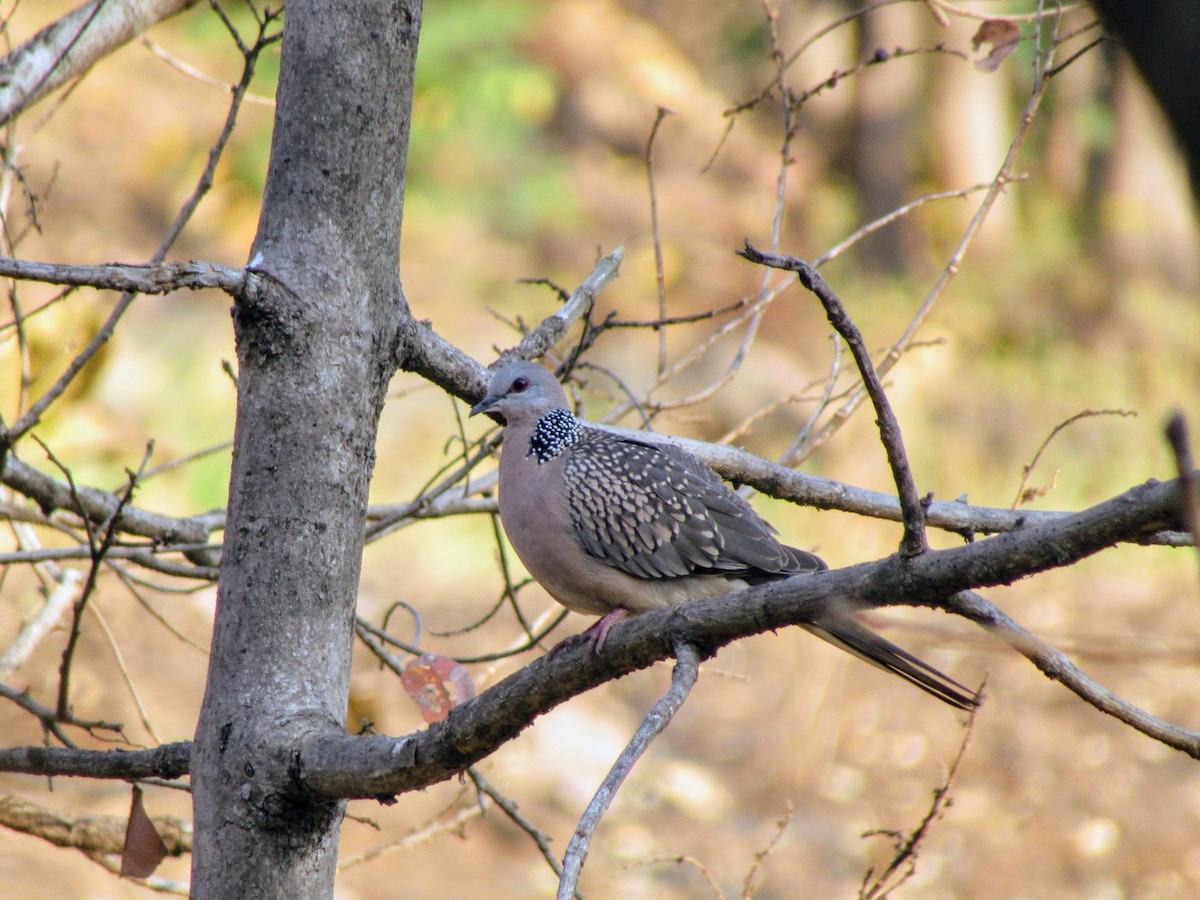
[[33, 415], [552, 330], [753, 879], [420, 835], [91, 834], [687, 669], [339, 765], [98, 550], [659, 279], [58, 601], [509, 808], [1057, 666], [1024, 492], [100, 506], [878, 887], [428, 354], [68, 48], [168, 761], [371, 766], [150, 278], [51, 721]]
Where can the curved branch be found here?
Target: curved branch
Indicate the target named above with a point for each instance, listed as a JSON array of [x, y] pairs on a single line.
[[914, 541], [379, 766], [1057, 666], [339, 765], [687, 670]]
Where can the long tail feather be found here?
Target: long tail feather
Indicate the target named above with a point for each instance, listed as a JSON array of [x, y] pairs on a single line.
[[854, 638]]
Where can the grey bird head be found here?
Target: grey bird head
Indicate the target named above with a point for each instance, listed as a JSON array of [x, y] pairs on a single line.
[[519, 392]]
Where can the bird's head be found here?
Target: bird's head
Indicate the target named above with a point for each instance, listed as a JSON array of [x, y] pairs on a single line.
[[520, 391]]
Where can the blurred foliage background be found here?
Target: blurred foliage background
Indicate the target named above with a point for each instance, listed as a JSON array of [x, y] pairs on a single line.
[[528, 155]]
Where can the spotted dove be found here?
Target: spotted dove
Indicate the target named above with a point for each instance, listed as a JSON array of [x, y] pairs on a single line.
[[614, 526]]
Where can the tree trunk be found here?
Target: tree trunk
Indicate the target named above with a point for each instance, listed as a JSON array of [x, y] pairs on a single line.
[[316, 349]]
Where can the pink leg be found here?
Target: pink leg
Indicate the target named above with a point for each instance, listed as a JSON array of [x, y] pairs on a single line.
[[597, 632]]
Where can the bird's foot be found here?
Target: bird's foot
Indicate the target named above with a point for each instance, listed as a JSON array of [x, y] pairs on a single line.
[[597, 632], [595, 635]]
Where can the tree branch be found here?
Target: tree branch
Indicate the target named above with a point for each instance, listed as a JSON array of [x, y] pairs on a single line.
[[374, 766], [90, 834], [68, 47], [167, 761], [1057, 666], [149, 278], [99, 506], [434, 358], [340, 765]]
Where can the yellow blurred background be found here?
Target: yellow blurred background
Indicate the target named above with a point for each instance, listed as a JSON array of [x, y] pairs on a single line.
[[528, 152]]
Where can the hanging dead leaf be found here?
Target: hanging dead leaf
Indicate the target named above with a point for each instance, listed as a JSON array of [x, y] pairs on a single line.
[[144, 848], [438, 684], [1003, 35]]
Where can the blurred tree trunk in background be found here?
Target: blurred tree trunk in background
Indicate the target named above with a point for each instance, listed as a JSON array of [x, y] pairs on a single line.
[[970, 133], [885, 140]]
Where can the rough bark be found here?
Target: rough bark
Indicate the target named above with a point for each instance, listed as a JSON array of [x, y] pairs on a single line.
[[316, 348]]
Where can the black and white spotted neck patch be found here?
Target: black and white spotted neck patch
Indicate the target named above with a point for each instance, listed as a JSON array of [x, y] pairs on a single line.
[[555, 431]]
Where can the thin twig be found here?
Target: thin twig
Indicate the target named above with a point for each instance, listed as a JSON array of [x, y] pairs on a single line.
[[897, 213], [94, 609], [509, 808], [192, 72], [877, 887], [914, 540], [52, 722], [58, 601], [953, 265], [682, 859], [551, 330], [687, 667], [660, 280], [98, 550], [510, 593], [417, 836], [34, 413], [1024, 492], [754, 877]]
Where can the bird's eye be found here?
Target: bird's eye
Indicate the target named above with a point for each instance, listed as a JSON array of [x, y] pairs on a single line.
[[520, 385]]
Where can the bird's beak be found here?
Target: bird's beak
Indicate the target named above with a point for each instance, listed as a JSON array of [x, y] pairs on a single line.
[[483, 405]]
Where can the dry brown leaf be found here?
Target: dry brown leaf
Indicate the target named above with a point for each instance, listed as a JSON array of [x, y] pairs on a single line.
[[1003, 35], [438, 684], [144, 848]]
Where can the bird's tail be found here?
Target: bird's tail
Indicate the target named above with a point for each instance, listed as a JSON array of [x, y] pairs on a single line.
[[852, 637]]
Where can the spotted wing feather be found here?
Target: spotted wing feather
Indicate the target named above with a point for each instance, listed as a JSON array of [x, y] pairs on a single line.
[[655, 512]]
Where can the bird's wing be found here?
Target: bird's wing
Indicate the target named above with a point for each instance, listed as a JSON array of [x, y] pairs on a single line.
[[659, 513]]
